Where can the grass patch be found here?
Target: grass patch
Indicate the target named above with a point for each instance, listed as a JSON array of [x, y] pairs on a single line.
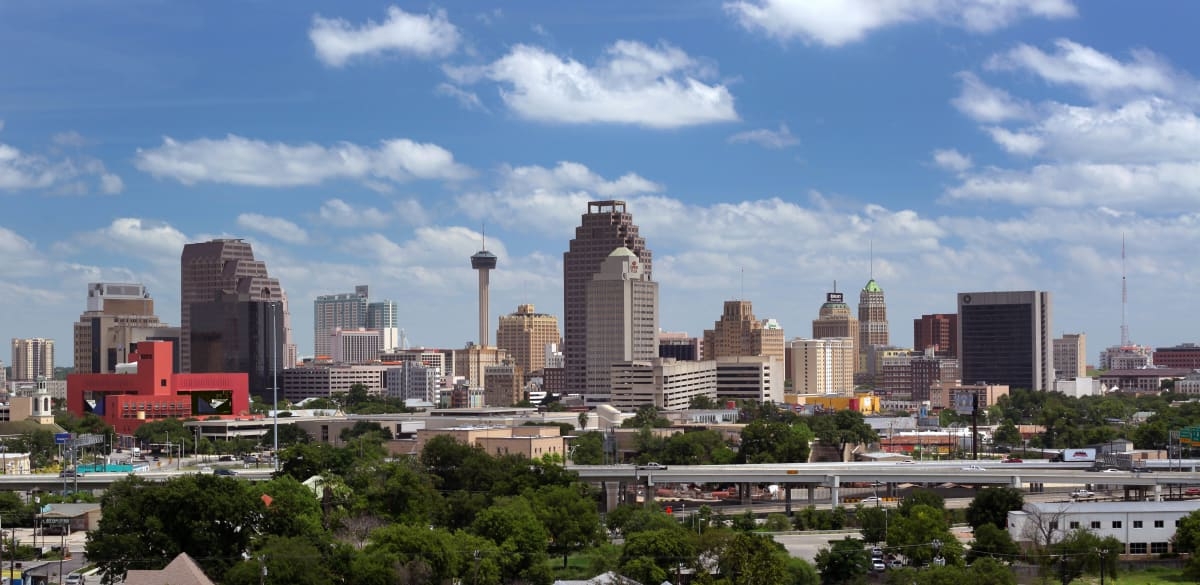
[[1146, 577]]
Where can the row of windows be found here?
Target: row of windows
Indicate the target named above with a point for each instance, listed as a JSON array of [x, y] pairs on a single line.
[[1095, 524]]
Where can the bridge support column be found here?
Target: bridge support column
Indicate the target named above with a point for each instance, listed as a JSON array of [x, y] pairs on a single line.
[[744, 492], [835, 484], [1016, 482], [1158, 492], [649, 499], [787, 499], [612, 495], [812, 494]]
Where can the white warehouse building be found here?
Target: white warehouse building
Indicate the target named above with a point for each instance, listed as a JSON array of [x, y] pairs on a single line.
[[1143, 527]]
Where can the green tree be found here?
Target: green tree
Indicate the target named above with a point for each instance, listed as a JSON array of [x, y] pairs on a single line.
[[145, 525], [766, 441], [753, 559], [1079, 552], [583, 421], [924, 534], [364, 427], [872, 520], [654, 556], [588, 448], [1187, 536], [357, 395], [646, 416], [991, 505], [288, 560], [162, 431], [845, 561], [703, 402], [696, 448], [521, 538], [570, 516], [992, 541], [920, 497], [1007, 434]]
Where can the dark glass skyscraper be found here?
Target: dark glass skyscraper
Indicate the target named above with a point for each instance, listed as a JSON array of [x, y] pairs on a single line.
[[605, 227], [1005, 338]]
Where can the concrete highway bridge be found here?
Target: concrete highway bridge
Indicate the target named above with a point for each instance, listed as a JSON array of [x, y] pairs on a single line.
[[1030, 477]]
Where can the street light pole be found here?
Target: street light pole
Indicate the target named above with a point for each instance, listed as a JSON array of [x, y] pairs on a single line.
[[275, 385]]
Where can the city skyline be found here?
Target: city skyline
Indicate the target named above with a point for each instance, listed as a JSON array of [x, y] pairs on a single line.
[[1002, 148]]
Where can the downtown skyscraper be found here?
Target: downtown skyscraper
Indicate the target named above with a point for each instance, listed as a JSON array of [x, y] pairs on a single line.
[[1005, 338], [622, 321], [606, 226]]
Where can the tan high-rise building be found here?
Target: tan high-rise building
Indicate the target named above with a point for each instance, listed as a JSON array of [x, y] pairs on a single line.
[[835, 321], [1070, 356], [605, 227], [872, 317], [822, 366], [472, 361], [622, 320], [118, 316], [739, 334], [32, 358], [525, 335]]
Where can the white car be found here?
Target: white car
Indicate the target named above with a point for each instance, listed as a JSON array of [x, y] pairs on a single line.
[[1082, 494], [1112, 470], [878, 565], [74, 579], [870, 500], [973, 468]]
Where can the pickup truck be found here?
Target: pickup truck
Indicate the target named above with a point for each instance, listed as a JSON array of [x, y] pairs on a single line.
[[1082, 494]]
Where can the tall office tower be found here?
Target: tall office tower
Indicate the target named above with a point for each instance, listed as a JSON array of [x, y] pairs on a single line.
[[484, 262], [525, 334], [503, 385], [872, 317], [222, 268], [822, 366], [337, 311], [835, 321], [1070, 356], [605, 227], [118, 316], [939, 331], [382, 316], [622, 320], [413, 381], [32, 358], [3, 374], [291, 353], [929, 370], [739, 334], [1004, 338]]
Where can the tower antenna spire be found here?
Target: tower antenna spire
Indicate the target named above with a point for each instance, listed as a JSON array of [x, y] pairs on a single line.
[[743, 293], [1124, 297], [871, 252]]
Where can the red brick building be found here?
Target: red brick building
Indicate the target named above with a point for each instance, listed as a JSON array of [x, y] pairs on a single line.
[[1186, 355], [154, 392]]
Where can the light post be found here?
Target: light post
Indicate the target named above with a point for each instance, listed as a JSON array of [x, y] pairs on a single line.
[[1103, 552], [275, 386]]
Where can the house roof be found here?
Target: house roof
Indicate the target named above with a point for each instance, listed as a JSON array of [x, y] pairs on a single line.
[[609, 578], [1169, 506], [181, 571], [69, 510]]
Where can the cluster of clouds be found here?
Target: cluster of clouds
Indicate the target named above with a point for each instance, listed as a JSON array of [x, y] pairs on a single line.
[[1078, 175]]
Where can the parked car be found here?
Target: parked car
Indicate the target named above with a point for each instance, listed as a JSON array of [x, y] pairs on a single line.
[[652, 465], [897, 563], [876, 553], [1081, 493], [878, 565]]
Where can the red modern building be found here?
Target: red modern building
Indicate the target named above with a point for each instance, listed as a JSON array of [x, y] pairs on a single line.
[[940, 331], [154, 392]]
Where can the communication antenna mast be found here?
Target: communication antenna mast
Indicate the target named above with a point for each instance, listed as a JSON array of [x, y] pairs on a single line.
[[871, 248], [1124, 297]]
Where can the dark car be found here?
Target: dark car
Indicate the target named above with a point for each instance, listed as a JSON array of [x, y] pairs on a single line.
[[68, 473], [225, 471]]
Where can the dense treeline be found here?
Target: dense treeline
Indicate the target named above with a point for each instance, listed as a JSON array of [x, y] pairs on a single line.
[[453, 514]]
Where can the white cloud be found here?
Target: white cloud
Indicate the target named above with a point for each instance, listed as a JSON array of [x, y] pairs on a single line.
[[1018, 143], [984, 103], [276, 227], [1095, 72], [244, 161], [22, 171], [1146, 130], [338, 213], [156, 241], [1166, 186], [71, 138], [656, 87], [467, 99], [838, 22], [781, 138], [421, 35], [951, 160]]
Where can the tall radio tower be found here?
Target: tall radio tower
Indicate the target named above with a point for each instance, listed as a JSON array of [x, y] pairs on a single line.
[[1124, 297]]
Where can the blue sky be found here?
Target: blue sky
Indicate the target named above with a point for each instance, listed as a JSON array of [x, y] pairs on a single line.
[[981, 144]]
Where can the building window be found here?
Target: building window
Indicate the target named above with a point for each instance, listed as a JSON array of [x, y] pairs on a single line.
[[1053, 526], [1158, 523], [1137, 548], [1116, 523], [1073, 525], [1138, 524], [1096, 525], [1158, 548], [1177, 522]]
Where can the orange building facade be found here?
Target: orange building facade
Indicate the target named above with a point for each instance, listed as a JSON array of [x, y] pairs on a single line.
[[154, 392]]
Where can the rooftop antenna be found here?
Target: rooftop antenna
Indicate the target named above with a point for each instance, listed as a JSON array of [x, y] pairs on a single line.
[[871, 252], [1124, 297], [483, 236], [743, 283], [835, 285]]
